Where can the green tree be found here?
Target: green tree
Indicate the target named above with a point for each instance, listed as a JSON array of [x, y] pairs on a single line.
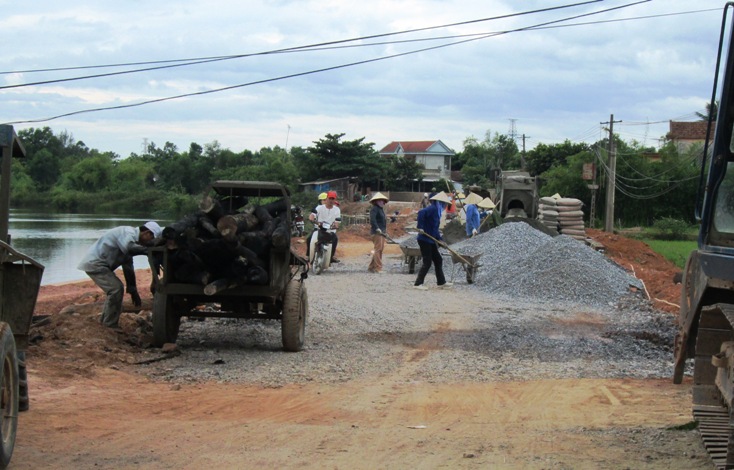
[[544, 156], [90, 175], [133, 174], [21, 184], [44, 168], [566, 179], [479, 159], [353, 158], [269, 164], [399, 173]]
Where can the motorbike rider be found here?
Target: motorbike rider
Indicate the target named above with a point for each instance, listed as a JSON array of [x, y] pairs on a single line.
[[322, 198], [330, 213]]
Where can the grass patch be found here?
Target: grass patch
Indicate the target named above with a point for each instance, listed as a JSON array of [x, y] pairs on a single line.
[[675, 251]]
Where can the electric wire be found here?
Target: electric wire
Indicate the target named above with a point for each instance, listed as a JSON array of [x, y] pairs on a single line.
[[628, 190], [299, 74], [205, 60]]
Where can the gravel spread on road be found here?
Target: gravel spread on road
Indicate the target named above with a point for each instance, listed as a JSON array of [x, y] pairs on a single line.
[[363, 326]]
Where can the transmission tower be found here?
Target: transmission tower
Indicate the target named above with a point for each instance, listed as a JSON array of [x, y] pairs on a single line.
[[513, 129]]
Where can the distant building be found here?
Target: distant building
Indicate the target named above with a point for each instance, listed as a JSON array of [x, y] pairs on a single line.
[[344, 187], [434, 155], [685, 134]]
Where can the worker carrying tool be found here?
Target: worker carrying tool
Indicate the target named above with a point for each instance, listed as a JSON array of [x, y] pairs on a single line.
[[472, 214], [429, 236], [378, 230]]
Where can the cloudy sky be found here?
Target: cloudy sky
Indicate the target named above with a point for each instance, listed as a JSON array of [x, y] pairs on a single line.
[[290, 72]]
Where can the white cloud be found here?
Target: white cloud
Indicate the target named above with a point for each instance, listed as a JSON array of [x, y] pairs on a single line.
[[559, 83]]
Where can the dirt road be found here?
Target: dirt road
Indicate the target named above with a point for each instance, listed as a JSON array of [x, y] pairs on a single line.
[[90, 409]]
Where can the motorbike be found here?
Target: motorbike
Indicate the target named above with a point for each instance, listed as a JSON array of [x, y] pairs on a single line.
[[320, 258], [299, 226]]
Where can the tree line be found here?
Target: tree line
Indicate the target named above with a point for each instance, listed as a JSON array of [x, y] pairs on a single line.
[[63, 174], [651, 184]]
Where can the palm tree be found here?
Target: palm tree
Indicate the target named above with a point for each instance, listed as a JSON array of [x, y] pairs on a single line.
[[712, 110]]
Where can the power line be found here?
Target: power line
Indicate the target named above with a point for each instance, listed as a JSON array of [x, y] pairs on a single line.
[[204, 60], [322, 46], [336, 67]]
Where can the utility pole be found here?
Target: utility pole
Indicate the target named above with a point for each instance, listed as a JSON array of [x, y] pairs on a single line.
[[611, 178], [288, 134], [522, 155]]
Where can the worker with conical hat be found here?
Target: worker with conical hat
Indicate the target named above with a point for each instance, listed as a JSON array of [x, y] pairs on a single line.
[[472, 214], [429, 220], [493, 218], [378, 230]]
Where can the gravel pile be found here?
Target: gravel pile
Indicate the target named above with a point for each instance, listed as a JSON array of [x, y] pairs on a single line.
[[520, 261]]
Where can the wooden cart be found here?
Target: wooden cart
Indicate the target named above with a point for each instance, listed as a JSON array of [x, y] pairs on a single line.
[[284, 298]]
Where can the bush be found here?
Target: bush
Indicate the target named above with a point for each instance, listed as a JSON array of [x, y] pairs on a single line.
[[669, 228]]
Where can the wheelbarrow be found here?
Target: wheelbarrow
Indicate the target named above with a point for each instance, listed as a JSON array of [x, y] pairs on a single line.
[[468, 262], [411, 255]]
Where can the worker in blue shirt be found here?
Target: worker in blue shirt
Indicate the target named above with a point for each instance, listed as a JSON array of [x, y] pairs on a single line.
[[429, 220]]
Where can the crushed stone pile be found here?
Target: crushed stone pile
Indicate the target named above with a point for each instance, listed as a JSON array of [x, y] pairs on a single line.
[[520, 261]]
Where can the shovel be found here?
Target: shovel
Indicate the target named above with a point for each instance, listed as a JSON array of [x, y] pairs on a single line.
[[443, 244], [388, 237]]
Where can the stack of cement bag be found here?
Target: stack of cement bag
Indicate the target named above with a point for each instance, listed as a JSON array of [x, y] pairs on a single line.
[[548, 212], [571, 217]]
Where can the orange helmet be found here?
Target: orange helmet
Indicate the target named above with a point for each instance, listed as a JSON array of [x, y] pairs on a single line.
[[331, 194]]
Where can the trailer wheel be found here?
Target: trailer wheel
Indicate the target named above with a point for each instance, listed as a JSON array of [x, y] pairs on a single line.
[[166, 320], [293, 321], [24, 402], [8, 395]]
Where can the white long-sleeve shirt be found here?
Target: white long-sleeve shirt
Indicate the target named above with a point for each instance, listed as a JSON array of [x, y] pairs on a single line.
[[112, 249]]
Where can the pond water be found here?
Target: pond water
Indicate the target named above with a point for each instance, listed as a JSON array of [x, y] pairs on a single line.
[[59, 241]]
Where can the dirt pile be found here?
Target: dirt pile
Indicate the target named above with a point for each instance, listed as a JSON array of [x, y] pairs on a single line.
[[641, 261]]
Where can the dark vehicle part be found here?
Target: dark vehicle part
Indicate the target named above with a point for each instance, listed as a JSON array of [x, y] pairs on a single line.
[[8, 394], [706, 318], [20, 280]]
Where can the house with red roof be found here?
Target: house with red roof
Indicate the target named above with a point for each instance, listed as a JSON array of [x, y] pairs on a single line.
[[434, 155], [685, 134]]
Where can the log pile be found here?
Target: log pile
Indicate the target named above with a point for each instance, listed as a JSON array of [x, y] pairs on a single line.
[[221, 249]]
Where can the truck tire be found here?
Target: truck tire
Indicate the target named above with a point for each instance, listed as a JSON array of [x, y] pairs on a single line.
[[24, 402], [293, 320], [8, 394], [166, 320]]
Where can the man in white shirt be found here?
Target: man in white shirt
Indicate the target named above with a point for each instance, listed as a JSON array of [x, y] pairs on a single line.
[[114, 249], [330, 213]]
